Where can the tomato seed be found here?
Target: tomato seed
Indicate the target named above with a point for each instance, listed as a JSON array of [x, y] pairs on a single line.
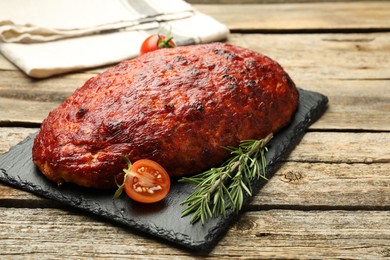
[[158, 187]]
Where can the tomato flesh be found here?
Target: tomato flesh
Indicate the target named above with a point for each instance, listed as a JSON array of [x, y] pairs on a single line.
[[148, 182], [153, 41]]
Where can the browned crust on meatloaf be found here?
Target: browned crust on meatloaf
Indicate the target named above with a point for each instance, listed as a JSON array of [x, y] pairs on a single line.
[[179, 107]]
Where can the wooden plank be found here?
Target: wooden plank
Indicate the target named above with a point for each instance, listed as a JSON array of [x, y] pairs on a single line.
[[322, 147], [8, 195], [27, 100], [353, 104], [327, 16], [13, 135], [338, 147], [310, 235], [312, 15], [321, 185], [43, 233], [324, 170], [354, 74], [50, 89], [294, 186], [324, 56]]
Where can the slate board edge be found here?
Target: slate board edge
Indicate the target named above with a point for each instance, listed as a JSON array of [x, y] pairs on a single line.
[[177, 239]]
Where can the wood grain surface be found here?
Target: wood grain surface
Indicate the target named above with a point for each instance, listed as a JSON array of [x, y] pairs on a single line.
[[271, 233], [329, 199], [352, 76], [298, 17]]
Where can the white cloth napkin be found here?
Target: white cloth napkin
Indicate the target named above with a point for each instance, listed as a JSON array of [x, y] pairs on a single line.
[[48, 37]]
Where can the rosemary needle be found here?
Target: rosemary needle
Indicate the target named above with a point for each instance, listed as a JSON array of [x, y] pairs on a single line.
[[219, 189]]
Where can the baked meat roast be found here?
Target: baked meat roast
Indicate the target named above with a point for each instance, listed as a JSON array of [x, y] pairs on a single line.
[[179, 107]]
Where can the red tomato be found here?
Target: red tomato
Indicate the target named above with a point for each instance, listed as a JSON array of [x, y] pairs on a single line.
[[157, 41], [148, 182]]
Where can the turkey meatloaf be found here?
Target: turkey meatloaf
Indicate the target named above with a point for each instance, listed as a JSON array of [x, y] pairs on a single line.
[[179, 107]]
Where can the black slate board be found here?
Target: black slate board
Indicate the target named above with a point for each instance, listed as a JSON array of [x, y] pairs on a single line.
[[162, 220]]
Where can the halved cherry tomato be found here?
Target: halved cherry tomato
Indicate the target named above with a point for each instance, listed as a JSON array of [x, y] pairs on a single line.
[[157, 41], [148, 182]]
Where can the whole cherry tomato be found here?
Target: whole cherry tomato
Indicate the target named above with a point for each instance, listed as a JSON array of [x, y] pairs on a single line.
[[157, 41]]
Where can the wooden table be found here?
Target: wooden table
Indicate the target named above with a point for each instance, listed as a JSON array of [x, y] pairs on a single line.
[[331, 197]]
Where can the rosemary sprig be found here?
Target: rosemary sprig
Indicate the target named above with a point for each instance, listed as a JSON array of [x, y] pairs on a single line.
[[219, 189]]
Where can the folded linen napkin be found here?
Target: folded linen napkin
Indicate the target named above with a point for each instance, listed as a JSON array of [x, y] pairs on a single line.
[[49, 37]]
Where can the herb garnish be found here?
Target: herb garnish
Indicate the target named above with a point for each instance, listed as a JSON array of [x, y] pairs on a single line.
[[219, 189]]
